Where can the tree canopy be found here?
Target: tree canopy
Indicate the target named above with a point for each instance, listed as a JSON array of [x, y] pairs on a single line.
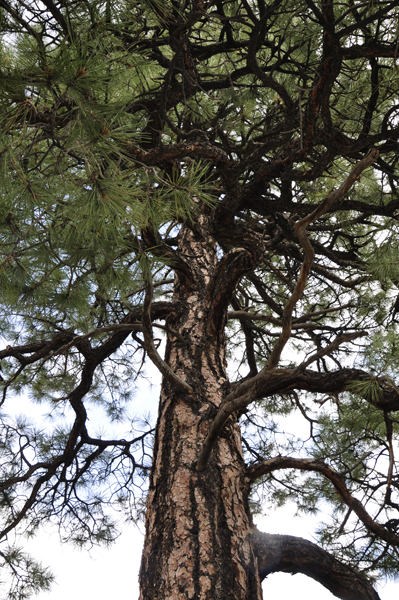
[[269, 132]]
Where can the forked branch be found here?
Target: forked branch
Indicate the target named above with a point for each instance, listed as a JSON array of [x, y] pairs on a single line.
[[276, 381], [253, 386], [338, 481], [308, 251]]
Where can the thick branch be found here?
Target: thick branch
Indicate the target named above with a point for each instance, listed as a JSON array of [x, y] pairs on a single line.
[[281, 381], [98, 331], [229, 271], [289, 554], [265, 383], [63, 340]]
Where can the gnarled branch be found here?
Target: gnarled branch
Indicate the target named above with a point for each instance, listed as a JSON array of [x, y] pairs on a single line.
[[289, 554], [300, 230], [275, 381], [228, 272], [152, 351]]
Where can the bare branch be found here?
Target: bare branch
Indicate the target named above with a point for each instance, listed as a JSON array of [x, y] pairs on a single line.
[[310, 464], [230, 270], [98, 331], [300, 230], [340, 339], [152, 351], [255, 388], [289, 554]]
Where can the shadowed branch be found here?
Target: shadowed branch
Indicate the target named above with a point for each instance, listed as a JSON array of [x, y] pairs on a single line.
[[289, 554]]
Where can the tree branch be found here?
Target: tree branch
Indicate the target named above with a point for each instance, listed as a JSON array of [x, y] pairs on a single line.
[[300, 230], [289, 554], [98, 331], [340, 339], [265, 383], [151, 350], [338, 481], [157, 246], [228, 272]]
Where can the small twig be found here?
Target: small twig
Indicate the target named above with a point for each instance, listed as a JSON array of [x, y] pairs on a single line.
[[171, 331], [344, 522], [340, 339], [388, 424], [157, 284]]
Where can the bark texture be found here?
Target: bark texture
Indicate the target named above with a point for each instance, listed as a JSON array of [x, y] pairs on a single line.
[[198, 524], [200, 542]]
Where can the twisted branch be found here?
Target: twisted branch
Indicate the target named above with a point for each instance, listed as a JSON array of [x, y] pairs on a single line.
[[300, 230], [161, 365], [289, 554]]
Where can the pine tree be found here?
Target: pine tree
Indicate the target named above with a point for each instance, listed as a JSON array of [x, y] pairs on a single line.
[[221, 175]]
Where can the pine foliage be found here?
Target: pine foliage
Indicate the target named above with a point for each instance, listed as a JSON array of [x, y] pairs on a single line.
[[120, 124]]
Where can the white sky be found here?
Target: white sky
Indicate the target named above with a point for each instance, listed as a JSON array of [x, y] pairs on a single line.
[[103, 574]]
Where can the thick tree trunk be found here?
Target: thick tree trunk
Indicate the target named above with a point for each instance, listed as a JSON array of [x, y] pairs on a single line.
[[200, 543], [197, 541]]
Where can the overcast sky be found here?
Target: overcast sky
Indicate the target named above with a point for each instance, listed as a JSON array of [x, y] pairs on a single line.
[[103, 574]]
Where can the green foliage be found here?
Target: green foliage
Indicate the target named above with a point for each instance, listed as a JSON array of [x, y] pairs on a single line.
[[28, 577], [369, 390], [123, 124], [383, 260]]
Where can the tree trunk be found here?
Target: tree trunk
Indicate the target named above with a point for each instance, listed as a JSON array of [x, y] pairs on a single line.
[[200, 541], [197, 542]]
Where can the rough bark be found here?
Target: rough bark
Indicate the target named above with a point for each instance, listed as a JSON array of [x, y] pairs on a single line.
[[200, 542], [198, 524]]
